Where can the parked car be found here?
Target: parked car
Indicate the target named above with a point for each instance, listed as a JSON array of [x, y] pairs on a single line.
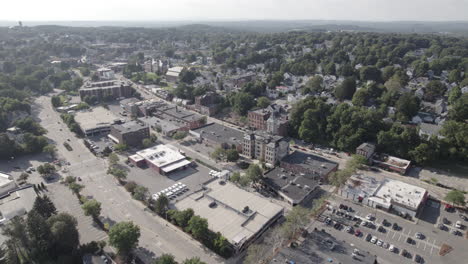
[[442, 227], [368, 237], [462, 216], [409, 240], [385, 245], [349, 229], [328, 221], [458, 224], [381, 229], [445, 221], [395, 227], [385, 222], [417, 258], [419, 235], [373, 240], [379, 242], [364, 223], [370, 217], [391, 248], [456, 232], [358, 233]]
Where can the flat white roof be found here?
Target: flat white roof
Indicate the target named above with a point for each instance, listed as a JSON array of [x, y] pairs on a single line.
[[401, 193], [5, 179], [176, 69], [136, 158], [227, 216], [175, 165], [95, 118], [161, 155]]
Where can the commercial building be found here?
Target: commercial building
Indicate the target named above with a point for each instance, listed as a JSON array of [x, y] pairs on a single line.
[[164, 111], [291, 187], [163, 126], [303, 163], [16, 203], [95, 121], [217, 135], [131, 133], [172, 74], [263, 146], [161, 158], [106, 90], [390, 195], [391, 163], [206, 104], [7, 183], [366, 150], [106, 74], [240, 216], [272, 119]]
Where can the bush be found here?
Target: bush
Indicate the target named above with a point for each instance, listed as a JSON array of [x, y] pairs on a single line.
[[130, 186]]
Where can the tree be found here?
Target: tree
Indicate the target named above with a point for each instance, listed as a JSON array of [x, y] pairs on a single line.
[[313, 85], [179, 135], [459, 110], [46, 169], [50, 149], [124, 237], [44, 206], [434, 89], [146, 142], [120, 147], [39, 235], [242, 102], [113, 159], [256, 254], [194, 260], [356, 162], [118, 173], [455, 197], [298, 218], [130, 186], [218, 154], [346, 89], [55, 100], [235, 177], [422, 154], [140, 193], [371, 73], [232, 155], [198, 227], [182, 218], [75, 187], [64, 233], [165, 259], [92, 208], [263, 102], [254, 173], [161, 204], [393, 84], [406, 106], [360, 97]]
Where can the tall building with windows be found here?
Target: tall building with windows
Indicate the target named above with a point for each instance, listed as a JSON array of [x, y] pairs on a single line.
[[263, 146]]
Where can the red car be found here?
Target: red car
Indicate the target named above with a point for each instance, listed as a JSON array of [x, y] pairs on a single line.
[[357, 233]]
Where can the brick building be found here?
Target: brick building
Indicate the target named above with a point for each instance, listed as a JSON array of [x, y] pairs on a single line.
[[130, 133]]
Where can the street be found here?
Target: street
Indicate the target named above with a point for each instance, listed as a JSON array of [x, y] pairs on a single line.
[[156, 235]]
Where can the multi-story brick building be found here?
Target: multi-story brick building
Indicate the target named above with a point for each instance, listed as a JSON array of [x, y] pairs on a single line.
[[130, 133], [106, 90], [272, 119], [262, 146]]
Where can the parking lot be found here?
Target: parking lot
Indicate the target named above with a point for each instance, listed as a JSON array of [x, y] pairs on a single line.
[[427, 247], [192, 177]]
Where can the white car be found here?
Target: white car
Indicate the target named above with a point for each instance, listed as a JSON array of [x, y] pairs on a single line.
[[373, 240], [369, 217], [391, 248], [458, 224], [379, 243]]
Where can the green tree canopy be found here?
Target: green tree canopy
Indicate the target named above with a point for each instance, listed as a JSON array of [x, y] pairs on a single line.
[[124, 237], [92, 208]]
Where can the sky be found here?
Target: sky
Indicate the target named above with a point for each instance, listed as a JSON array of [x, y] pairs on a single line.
[[202, 10]]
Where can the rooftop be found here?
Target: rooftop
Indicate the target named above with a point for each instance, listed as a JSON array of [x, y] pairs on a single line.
[[386, 191], [295, 186], [161, 155], [131, 126], [221, 134], [314, 164], [94, 118], [237, 214], [5, 179], [393, 161], [367, 147]]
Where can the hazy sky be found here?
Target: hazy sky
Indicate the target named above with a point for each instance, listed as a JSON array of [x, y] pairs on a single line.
[[377, 10]]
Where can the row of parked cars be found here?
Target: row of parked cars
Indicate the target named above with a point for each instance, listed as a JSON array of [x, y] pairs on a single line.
[[374, 240]]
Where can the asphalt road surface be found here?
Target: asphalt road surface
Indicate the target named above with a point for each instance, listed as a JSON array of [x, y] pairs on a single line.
[[157, 236]]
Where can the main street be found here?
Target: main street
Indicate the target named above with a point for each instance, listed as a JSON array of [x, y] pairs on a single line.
[[156, 235]]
